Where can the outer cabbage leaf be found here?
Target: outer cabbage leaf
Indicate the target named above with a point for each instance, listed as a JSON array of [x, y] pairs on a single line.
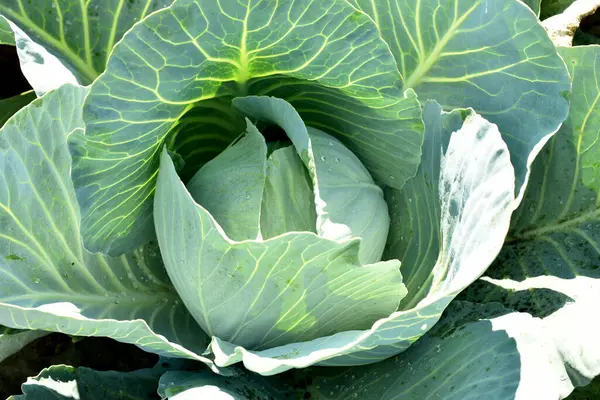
[[475, 351], [493, 56], [80, 35], [181, 385], [47, 280], [62, 382], [475, 198], [11, 340], [6, 34], [324, 57], [535, 5], [549, 264], [13, 104]]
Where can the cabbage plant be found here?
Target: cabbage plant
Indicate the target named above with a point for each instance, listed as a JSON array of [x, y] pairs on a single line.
[[300, 197]]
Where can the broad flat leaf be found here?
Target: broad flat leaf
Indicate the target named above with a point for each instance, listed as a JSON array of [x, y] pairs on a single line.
[[230, 186], [79, 34], [6, 34], [554, 7], [181, 385], [11, 341], [13, 104], [62, 382], [549, 265], [476, 199], [535, 5], [501, 355], [294, 287], [47, 280], [324, 57], [490, 55], [342, 187], [459, 361]]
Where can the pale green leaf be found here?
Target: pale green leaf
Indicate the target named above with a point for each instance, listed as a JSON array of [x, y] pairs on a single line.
[[62, 382], [11, 341], [342, 186], [549, 266], [324, 57], [476, 195], [230, 186], [6, 34], [415, 211], [535, 5], [475, 351], [181, 385], [80, 34], [13, 104], [48, 281], [295, 287], [456, 360], [490, 55], [288, 201]]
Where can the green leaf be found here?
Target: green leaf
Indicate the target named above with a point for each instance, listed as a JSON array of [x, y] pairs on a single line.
[[549, 264], [11, 341], [13, 104], [324, 57], [296, 287], [342, 187], [79, 34], [288, 200], [493, 56], [415, 211], [62, 382], [476, 198], [47, 280], [6, 34], [230, 186], [456, 360], [475, 351], [181, 385], [535, 5], [554, 7]]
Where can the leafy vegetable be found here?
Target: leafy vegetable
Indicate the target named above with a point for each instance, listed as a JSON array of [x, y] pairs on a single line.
[[489, 55], [80, 34], [324, 57], [549, 265], [302, 199], [48, 280]]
